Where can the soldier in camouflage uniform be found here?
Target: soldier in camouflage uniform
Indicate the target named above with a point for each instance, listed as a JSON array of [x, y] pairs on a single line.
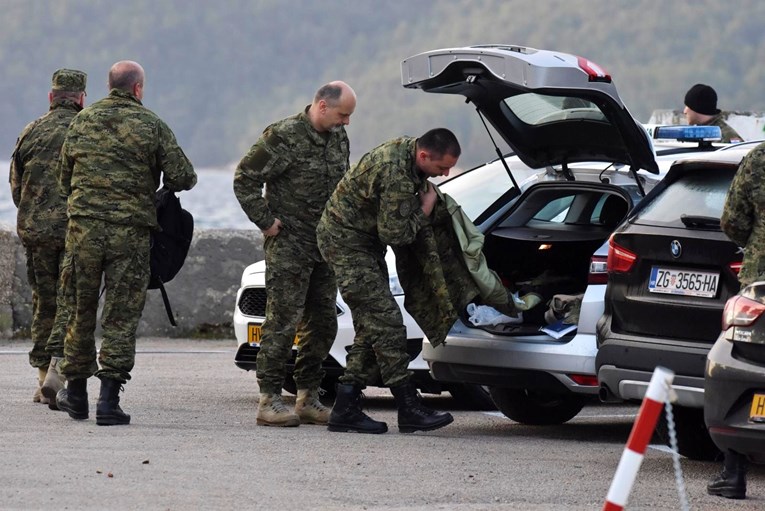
[[384, 200], [701, 109], [112, 159], [742, 221], [41, 223], [300, 160]]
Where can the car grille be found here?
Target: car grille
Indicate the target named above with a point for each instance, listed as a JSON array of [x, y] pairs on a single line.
[[253, 302]]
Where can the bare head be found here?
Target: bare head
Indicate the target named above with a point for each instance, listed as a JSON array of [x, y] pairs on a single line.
[[436, 152], [128, 76], [332, 106]]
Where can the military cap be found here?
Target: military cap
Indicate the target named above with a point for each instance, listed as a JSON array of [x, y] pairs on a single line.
[[69, 80]]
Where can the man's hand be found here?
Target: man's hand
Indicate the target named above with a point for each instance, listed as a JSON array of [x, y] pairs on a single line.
[[428, 199], [275, 228]]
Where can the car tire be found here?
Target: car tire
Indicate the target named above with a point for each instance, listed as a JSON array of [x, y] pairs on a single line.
[[472, 397], [693, 440], [536, 407]]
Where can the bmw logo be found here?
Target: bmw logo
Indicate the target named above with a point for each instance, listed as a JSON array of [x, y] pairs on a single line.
[[675, 248]]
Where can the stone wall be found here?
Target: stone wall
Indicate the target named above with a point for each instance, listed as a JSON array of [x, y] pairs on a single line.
[[202, 295]]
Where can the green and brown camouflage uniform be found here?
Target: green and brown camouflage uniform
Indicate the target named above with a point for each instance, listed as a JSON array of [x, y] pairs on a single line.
[[111, 162], [374, 205], [41, 221], [729, 135], [300, 168], [743, 217]]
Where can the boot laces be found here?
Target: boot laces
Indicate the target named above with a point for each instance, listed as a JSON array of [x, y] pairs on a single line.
[[277, 405]]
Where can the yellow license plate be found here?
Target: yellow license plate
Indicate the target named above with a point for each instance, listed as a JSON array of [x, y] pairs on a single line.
[[757, 412], [254, 332]]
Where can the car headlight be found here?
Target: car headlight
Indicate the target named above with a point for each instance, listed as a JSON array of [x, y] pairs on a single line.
[[395, 286]]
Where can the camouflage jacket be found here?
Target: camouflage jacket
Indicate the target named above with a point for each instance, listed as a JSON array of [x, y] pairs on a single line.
[[299, 167], [112, 159], [743, 217], [728, 134], [376, 203], [42, 212]]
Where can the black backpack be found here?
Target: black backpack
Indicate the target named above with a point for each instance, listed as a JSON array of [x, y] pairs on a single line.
[[169, 246]]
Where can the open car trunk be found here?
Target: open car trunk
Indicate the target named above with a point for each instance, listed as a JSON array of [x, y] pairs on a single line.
[[546, 241]]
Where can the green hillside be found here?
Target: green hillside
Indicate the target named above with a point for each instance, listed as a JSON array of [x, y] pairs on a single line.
[[219, 72]]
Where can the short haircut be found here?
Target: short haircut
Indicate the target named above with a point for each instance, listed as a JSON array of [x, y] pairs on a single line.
[[440, 141], [125, 79], [329, 93]]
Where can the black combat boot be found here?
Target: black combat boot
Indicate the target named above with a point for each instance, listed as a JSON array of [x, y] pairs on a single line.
[[74, 399], [731, 483], [347, 416], [108, 411], [413, 415]]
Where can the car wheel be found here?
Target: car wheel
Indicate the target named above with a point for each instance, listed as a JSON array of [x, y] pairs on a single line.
[[536, 407], [472, 397], [693, 440]]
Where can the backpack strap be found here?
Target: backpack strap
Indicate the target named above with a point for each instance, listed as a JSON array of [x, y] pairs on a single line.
[[168, 309]]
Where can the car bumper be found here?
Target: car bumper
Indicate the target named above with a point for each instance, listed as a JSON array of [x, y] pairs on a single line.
[[472, 355], [730, 385]]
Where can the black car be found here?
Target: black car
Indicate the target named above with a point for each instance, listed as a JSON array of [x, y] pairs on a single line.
[[734, 383], [670, 271]]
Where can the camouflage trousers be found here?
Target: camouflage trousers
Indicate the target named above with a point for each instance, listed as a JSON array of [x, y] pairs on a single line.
[[47, 329], [119, 254], [380, 341], [301, 301]]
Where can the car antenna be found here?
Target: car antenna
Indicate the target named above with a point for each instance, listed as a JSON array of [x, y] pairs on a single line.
[[496, 149]]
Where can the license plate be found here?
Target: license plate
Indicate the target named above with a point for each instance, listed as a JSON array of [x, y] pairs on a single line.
[[683, 282], [254, 332], [757, 412]]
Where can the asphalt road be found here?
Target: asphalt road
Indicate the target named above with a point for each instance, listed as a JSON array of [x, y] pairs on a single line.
[[193, 444]]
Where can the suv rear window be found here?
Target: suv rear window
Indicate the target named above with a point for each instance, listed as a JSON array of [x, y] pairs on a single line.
[[696, 193], [536, 109]]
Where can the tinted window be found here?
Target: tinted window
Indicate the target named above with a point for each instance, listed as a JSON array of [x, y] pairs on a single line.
[[556, 210], [700, 193], [538, 109]]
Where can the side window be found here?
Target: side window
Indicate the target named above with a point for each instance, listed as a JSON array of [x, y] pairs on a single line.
[[556, 210]]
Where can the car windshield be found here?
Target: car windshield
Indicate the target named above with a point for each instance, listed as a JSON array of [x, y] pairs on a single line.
[[538, 109], [478, 189], [699, 194]]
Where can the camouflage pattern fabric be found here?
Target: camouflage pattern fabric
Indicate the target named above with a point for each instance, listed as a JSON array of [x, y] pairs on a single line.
[[430, 297], [41, 219], [121, 254], [113, 157], [728, 134], [300, 168], [374, 205], [743, 214]]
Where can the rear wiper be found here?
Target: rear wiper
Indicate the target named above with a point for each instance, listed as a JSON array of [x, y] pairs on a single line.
[[700, 222]]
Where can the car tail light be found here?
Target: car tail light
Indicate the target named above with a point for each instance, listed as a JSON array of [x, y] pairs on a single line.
[[735, 267], [584, 379], [598, 270], [741, 311], [595, 73], [620, 260]]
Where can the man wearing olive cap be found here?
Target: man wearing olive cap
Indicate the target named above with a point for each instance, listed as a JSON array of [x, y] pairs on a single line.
[[701, 109], [41, 223]]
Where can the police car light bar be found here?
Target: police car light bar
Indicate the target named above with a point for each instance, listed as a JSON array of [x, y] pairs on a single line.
[[687, 133]]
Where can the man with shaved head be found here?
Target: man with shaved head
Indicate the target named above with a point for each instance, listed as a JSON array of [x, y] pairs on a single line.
[[300, 160], [115, 156]]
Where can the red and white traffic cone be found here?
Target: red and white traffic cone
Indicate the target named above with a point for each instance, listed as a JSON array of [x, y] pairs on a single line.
[[645, 423]]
